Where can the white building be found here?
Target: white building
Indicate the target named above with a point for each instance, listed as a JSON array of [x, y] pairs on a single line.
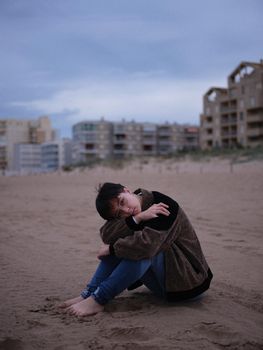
[[67, 151], [52, 155], [27, 158]]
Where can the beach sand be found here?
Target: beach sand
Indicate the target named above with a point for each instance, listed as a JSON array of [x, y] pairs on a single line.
[[49, 233]]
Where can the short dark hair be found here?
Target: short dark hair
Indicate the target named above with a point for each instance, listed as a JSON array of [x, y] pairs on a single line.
[[107, 192]]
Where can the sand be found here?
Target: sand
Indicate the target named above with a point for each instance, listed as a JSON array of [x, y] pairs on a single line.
[[49, 233]]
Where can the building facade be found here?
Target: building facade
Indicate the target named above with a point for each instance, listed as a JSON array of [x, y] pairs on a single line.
[[32, 158], [126, 139], [101, 139], [27, 158], [233, 116], [148, 139], [52, 155], [13, 131], [189, 137], [92, 139]]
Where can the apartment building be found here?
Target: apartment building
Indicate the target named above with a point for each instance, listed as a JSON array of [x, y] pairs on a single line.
[[40, 130], [67, 144], [52, 155], [27, 158], [148, 139], [13, 131], [126, 139], [37, 158], [92, 139], [233, 116], [165, 142], [101, 139], [189, 137], [167, 138]]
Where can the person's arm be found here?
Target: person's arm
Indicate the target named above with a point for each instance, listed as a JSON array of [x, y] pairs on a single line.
[[145, 238], [120, 228], [154, 231], [115, 229], [121, 231], [141, 245], [162, 222]]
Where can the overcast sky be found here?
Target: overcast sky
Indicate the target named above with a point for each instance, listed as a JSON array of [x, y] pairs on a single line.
[[145, 60]]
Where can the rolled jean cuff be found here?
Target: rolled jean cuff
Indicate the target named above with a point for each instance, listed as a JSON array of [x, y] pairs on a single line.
[[98, 297], [85, 293]]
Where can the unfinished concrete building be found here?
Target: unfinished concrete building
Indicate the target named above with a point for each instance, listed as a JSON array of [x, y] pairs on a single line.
[[233, 116]]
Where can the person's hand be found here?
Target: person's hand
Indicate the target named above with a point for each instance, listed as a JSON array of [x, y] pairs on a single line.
[[103, 251], [153, 212]]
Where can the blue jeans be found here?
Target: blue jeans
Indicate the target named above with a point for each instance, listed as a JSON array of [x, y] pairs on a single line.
[[114, 275]]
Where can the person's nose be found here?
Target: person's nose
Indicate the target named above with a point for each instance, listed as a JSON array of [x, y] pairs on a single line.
[[126, 210]]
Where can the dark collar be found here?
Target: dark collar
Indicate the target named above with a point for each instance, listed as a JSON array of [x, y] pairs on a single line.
[[147, 198]]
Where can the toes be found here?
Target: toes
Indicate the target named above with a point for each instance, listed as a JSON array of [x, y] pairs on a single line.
[[62, 306], [70, 310]]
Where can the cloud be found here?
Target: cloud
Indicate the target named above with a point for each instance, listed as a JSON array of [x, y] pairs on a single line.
[[140, 97]]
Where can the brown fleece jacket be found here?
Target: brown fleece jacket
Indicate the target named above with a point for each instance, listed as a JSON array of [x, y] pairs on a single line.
[[187, 273]]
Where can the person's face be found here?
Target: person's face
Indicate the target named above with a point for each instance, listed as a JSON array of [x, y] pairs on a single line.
[[126, 204]]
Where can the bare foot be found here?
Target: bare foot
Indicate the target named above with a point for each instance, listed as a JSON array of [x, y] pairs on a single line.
[[86, 307], [70, 302]]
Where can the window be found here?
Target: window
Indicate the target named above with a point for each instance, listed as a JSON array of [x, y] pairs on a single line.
[[88, 127], [252, 101]]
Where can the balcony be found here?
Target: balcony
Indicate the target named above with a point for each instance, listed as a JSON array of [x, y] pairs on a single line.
[[90, 151], [163, 132], [207, 137], [229, 134], [149, 142], [255, 132], [165, 143], [207, 125], [119, 151], [119, 140], [230, 109], [253, 118], [229, 121]]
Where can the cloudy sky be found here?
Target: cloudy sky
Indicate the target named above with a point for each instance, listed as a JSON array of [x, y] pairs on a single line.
[[145, 60]]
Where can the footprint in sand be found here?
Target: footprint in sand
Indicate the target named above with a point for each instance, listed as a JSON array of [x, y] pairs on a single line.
[[129, 305], [11, 344], [128, 333], [221, 335], [129, 338]]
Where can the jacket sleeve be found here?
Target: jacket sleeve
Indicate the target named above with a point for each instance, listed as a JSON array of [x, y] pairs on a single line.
[[141, 245], [125, 243], [114, 229], [148, 242]]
